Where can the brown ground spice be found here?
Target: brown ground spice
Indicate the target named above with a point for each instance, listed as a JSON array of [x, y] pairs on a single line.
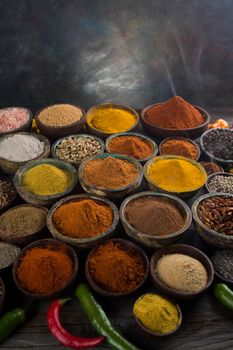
[[180, 148], [133, 146]]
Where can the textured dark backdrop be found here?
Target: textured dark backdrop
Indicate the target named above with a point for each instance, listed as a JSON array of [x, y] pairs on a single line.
[[135, 52]]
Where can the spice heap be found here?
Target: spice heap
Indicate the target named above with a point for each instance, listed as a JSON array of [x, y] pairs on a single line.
[[223, 264], [7, 193], [8, 254], [221, 183], [13, 118], [83, 218], [115, 268], [176, 113], [157, 216], [44, 270], [111, 120], [217, 214], [219, 143], [176, 175], [109, 172], [181, 272], [157, 314], [21, 148], [46, 180], [178, 147], [23, 220], [211, 168], [76, 149], [60, 115], [133, 146]]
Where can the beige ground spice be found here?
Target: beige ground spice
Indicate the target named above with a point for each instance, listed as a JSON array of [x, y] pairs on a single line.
[[60, 115]]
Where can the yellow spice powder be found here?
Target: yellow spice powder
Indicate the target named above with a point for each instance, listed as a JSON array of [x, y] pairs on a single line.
[[60, 115]]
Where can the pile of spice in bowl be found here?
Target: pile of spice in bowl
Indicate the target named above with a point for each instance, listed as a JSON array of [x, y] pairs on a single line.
[[14, 119], [180, 147], [7, 193], [22, 224], [76, 148], [220, 182], [211, 168], [8, 254], [178, 175], [223, 264], [131, 144], [116, 267]]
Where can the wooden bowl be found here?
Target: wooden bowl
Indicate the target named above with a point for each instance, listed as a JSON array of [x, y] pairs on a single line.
[[82, 243], [38, 199], [53, 132], [42, 244], [10, 167], [24, 239], [186, 250], [183, 139], [25, 127], [212, 176], [162, 133], [128, 246]]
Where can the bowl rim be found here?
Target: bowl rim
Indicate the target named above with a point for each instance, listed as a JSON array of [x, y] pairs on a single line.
[[31, 164], [211, 156], [178, 246], [193, 162], [57, 142], [156, 194], [116, 106], [19, 252], [138, 135], [126, 244], [51, 226], [41, 243], [204, 113], [180, 138], [156, 334], [27, 123], [132, 160], [49, 127], [39, 137], [211, 176], [195, 205]]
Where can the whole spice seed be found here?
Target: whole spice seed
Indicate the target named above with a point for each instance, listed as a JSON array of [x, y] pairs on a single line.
[[8, 254], [219, 143], [211, 168], [60, 115], [221, 183], [7, 193], [177, 147], [13, 118], [223, 264], [133, 146], [217, 214], [76, 149]]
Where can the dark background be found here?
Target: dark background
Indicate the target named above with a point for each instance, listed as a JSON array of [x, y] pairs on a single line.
[[133, 52]]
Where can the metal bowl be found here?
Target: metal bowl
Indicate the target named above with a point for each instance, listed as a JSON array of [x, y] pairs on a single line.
[[82, 243], [25, 127], [183, 139], [212, 176]]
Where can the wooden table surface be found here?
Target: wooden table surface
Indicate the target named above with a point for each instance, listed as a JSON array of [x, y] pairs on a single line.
[[206, 323]]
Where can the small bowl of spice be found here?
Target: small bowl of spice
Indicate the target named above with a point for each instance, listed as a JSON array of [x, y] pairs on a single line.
[[181, 271], [180, 146], [134, 145], [175, 175], [76, 148], [212, 168], [155, 219], [157, 315], [116, 268], [110, 175], [8, 254], [220, 182], [83, 220], [213, 217], [45, 181], [8, 193], [222, 261], [110, 118], [23, 224], [60, 120], [45, 268], [19, 148], [15, 119]]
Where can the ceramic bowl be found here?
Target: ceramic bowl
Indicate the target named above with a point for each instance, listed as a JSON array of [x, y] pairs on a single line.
[[210, 236], [143, 137], [54, 245], [82, 243], [154, 187], [14, 253], [151, 240], [128, 246], [209, 179], [106, 192], [25, 127], [219, 276], [103, 135], [10, 167], [76, 164], [183, 139], [53, 132], [186, 250], [38, 199], [162, 133], [14, 195]]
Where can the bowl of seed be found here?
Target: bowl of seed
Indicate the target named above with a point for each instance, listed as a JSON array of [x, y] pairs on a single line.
[[76, 148], [15, 119], [213, 218], [8, 193], [220, 182], [23, 224], [8, 254], [222, 261]]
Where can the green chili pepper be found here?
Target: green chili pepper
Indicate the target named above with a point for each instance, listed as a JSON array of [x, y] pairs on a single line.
[[224, 294], [99, 320]]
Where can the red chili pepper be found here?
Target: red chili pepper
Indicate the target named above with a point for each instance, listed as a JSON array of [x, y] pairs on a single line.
[[62, 335]]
